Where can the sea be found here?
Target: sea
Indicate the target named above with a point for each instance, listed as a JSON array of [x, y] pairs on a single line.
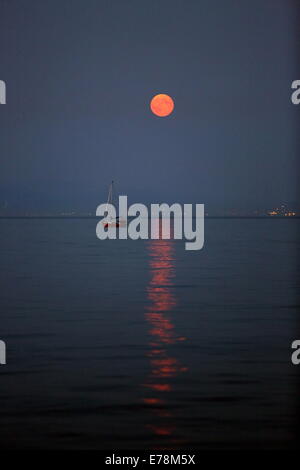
[[122, 344]]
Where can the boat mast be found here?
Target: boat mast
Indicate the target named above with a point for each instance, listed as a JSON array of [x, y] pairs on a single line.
[[110, 195]]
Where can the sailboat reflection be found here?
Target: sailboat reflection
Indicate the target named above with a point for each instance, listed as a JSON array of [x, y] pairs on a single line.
[[164, 366]]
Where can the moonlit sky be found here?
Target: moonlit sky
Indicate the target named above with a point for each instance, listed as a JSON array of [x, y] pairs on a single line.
[[80, 75]]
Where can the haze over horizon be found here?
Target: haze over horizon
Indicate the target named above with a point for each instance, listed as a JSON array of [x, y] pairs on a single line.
[[80, 77]]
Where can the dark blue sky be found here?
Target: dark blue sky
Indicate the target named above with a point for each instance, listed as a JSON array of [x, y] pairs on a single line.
[[80, 75]]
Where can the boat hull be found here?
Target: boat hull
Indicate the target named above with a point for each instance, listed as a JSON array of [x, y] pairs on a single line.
[[113, 224]]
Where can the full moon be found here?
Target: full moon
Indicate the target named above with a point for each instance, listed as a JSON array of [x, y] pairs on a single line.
[[162, 105]]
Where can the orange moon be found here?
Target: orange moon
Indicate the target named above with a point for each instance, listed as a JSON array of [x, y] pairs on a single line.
[[162, 105]]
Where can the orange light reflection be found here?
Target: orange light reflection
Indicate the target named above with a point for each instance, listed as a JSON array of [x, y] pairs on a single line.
[[162, 300]]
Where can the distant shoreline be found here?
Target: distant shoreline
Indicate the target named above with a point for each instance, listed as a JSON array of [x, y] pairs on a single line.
[[97, 217]]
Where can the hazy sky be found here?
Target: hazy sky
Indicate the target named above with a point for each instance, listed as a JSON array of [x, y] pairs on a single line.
[[80, 75]]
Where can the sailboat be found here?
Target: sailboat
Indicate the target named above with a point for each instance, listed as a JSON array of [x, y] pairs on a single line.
[[112, 221]]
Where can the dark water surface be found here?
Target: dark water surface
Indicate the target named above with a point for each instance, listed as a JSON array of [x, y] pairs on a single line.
[[143, 345]]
